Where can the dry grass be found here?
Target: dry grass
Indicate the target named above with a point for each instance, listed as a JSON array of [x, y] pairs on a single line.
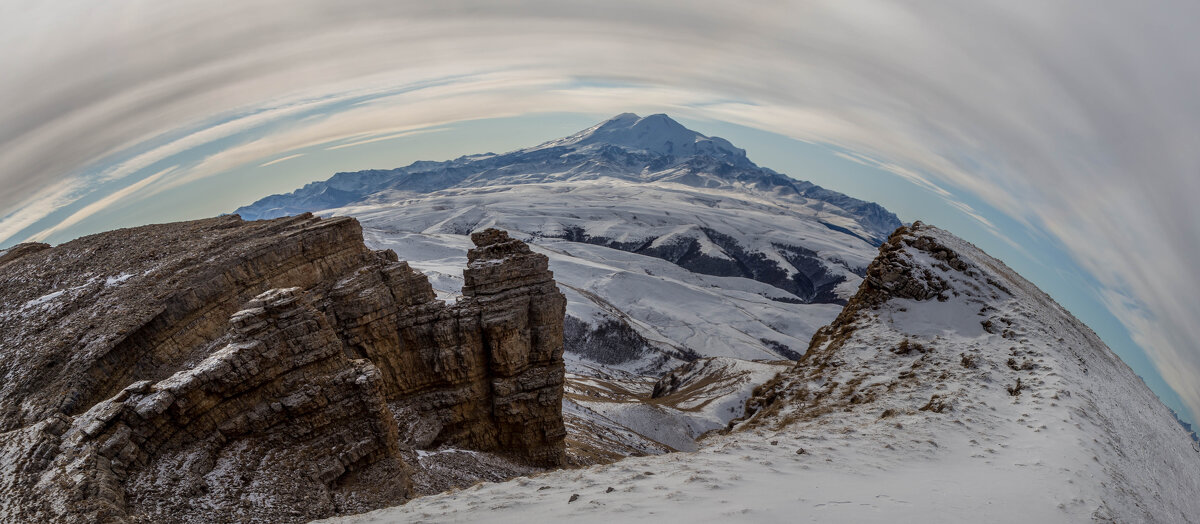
[[1016, 389]]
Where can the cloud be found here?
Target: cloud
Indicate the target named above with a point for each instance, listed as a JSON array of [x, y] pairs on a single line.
[[900, 171], [280, 159], [102, 204], [388, 136], [1077, 119], [40, 205]]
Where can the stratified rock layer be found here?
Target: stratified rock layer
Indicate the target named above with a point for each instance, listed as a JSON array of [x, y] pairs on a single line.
[[229, 371]]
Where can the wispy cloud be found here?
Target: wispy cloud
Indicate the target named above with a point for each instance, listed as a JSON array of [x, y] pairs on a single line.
[[280, 159], [391, 136], [40, 205], [102, 204]]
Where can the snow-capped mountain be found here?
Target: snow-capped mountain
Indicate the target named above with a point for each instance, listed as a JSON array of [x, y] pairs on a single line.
[[627, 147], [949, 389]]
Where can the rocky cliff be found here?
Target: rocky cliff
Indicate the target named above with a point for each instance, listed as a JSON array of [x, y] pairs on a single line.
[[223, 370]]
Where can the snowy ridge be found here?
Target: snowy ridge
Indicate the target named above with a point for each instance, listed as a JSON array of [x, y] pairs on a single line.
[[949, 390]]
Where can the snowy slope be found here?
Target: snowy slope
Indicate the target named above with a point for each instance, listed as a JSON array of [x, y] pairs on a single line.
[[677, 409], [714, 388], [710, 231], [949, 390], [678, 315]]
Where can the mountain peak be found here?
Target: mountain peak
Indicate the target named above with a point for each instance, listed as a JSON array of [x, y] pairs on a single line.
[[659, 122], [657, 133], [621, 118]]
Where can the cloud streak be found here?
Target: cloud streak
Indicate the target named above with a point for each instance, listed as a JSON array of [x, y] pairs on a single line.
[[280, 159], [1077, 119]]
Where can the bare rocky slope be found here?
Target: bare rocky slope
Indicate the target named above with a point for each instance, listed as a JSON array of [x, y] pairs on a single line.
[[229, 371]]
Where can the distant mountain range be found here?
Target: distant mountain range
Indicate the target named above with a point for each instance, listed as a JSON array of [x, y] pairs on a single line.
[[651, 149]]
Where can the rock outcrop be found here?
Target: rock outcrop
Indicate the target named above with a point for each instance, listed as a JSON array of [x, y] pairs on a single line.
[[229, 371], [892, 275]]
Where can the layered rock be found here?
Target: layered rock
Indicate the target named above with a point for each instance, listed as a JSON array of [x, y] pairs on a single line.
[[222, 370]]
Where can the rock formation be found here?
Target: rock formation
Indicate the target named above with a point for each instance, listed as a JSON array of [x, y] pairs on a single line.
[[228, 371], [892, 275]]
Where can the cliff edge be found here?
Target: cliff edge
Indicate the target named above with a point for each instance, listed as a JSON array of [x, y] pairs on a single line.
[[223, 370]]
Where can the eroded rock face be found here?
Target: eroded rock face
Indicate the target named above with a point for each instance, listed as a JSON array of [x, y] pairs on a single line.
[[892, 275], [222, 370]]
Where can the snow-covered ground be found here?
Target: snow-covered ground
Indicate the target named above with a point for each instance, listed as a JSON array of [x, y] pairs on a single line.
[[995, 405], [749, 480], [692, 400], [715, 231]]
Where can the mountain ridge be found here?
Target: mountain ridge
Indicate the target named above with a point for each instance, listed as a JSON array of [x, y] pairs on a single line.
[[647, 149]]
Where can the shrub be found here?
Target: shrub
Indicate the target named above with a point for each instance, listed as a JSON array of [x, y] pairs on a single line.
[[1015, 390], [969, 361]]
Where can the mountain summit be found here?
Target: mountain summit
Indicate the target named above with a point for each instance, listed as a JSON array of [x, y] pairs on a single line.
[[657, 134], [650, 150]]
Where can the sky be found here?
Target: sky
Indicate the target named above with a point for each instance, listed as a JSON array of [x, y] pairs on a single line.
[[1057, 135]]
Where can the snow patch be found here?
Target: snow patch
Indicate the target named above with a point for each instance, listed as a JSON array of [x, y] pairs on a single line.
[[114, 280]]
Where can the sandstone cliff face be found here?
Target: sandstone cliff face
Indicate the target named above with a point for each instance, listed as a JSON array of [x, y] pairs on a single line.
[[222, 370]]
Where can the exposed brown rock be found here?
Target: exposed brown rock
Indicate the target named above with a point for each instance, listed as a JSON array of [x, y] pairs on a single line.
[[20, 250], [889, 276], [230, 371]]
